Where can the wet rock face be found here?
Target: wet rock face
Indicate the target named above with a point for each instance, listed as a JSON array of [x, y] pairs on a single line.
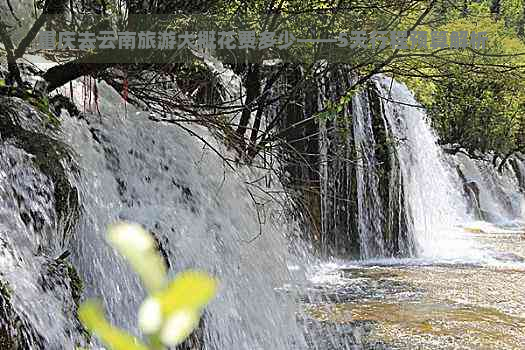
[[471, 189], [394, 224], [27, 129], [38, 211], [517, 166], [15, 329], [59, 278], [471, 193], [323, 167]]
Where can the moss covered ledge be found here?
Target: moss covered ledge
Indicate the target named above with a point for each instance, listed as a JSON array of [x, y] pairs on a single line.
[[30, 130]]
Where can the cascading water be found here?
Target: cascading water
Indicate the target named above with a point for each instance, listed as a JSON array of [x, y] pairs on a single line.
[[427, 202], [431, 187], [499, 197], [203, 214], [434, 204], [36, 294], [455, 280], [370, 213]]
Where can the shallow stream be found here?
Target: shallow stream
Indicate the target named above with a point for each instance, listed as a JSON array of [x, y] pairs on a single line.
[[473, 302]]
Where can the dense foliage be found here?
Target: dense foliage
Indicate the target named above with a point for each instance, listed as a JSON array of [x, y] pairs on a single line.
[[474, 96]]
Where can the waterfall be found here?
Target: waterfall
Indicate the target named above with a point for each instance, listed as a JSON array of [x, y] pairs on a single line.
[[370, 213], [500, 195], [203, 214], [34, 289], [384, 182], [381, 177], [439, 194], [431, 186], [429, 203]]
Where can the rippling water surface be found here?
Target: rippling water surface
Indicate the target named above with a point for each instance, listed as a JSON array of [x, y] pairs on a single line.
[[476, 301]]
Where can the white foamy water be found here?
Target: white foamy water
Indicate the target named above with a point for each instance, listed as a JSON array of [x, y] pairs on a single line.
[[432, 189], [204, 214]]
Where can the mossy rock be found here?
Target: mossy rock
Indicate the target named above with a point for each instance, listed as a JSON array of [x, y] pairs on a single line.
[[26, 128], [60, 278], [15, 330], [29, 129]]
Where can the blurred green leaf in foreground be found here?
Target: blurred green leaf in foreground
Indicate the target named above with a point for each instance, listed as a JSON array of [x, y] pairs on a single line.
[[172, 310]]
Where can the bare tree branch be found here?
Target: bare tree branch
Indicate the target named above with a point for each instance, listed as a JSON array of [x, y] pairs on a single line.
[[39, 23], [14, 72]]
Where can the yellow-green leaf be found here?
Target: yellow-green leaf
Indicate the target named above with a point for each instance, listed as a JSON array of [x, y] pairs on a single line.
[[189, 289], [138, 247], [182, 300], [92, 316], [179, 326]]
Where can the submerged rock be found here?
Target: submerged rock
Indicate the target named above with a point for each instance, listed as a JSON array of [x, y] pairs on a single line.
[[351, 335]]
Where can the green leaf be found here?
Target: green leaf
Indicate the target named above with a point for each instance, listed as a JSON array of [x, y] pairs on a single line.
[[179, 326], [139, 248], [179, 304], [190, 289], [92, 316]]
